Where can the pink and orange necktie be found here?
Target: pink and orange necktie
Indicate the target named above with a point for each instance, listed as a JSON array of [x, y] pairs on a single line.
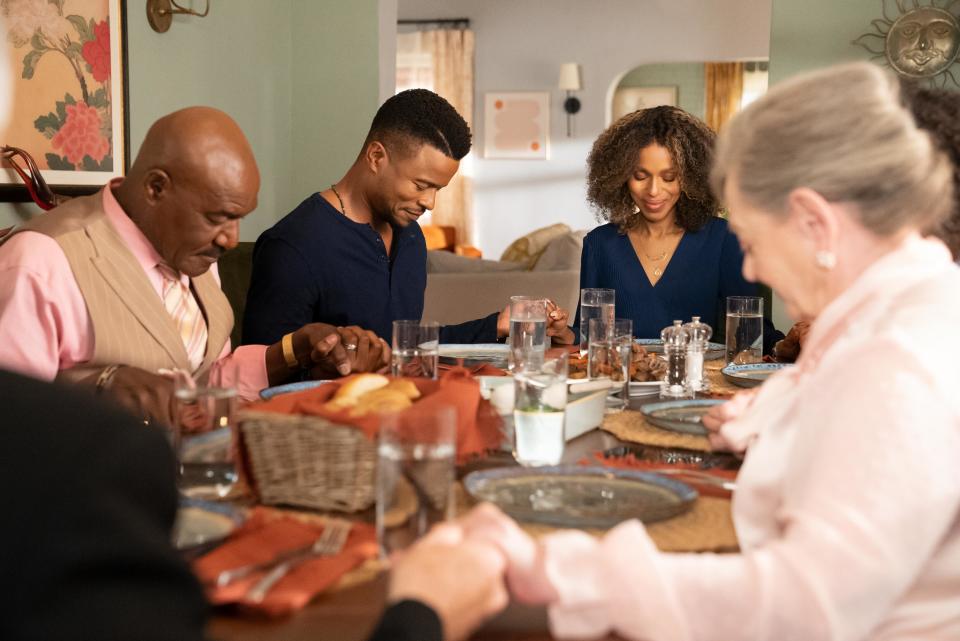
[[185, 311]]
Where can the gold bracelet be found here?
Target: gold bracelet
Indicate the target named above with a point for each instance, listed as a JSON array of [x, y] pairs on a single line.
[[288, 354]]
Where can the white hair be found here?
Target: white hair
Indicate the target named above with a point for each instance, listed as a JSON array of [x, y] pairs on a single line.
[[843, 132]]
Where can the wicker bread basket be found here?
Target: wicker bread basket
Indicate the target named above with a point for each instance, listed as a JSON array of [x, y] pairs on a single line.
[[308, 461]]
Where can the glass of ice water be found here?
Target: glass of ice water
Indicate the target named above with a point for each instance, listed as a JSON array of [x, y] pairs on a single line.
[[416, 348], [540, 399], [744, 329], [528, 330], [594, 303], [610, 355], [415, 474], [206, 437]]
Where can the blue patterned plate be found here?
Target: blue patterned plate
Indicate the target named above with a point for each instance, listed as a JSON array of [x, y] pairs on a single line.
[[752, 374], [679, 416], [299, 386], [580, 496], [655, 345]]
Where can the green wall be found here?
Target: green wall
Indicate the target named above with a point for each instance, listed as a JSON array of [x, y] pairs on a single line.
[[335, 87], [817, 33], [299, 76], [688, 77]]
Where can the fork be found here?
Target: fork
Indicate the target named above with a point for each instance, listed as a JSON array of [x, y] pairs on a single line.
[[330, 543]]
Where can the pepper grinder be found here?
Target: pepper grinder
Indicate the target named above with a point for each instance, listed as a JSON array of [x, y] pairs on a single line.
[[699, 334], [675, 341]]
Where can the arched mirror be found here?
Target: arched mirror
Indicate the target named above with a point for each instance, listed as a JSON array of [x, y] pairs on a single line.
[[712, 91]]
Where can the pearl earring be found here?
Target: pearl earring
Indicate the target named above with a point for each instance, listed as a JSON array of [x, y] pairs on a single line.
[[826, 260], [636, 208]]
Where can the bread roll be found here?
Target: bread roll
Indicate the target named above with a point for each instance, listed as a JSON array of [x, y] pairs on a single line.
[[351, 391]]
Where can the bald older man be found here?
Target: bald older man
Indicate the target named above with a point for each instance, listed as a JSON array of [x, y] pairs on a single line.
[[111, 290]]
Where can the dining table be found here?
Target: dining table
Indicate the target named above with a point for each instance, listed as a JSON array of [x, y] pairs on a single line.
[[349, 613]]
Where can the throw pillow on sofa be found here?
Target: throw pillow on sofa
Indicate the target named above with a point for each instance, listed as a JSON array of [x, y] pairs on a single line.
[[562, 254], [527, 249]]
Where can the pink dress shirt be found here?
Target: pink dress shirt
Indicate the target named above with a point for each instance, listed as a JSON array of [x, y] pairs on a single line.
[[848, 503], [44, 324]]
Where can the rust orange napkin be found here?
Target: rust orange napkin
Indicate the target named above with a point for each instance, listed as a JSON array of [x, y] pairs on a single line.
[[478, 425], [630, 462], [261, 539]]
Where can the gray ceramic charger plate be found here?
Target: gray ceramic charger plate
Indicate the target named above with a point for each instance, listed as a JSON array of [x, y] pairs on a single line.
[[299, 386], [655, 345], [580, 496], [200, 523], [752, 374], [468, 355], [679, 416]]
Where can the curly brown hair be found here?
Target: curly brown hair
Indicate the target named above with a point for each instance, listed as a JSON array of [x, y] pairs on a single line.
[[937, 111], [614, 158]]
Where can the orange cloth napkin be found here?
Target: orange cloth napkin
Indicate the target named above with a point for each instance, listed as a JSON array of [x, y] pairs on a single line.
[[631, 462], [261, 539], [478, 425]]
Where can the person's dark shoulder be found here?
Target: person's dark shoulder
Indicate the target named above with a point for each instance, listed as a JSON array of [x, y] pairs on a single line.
[[311, 220], [716, 231], [603, 234]]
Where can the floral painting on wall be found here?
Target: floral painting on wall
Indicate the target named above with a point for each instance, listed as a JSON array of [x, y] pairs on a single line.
[[69, 88]]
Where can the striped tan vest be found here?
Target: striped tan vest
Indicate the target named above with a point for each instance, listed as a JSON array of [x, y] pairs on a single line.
[[130, 324]]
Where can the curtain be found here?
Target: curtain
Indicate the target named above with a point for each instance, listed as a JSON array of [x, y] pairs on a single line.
[[724, 82], [452, 54]]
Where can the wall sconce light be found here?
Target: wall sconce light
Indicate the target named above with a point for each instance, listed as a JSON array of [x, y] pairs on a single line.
[[160, 13], [570, 81]]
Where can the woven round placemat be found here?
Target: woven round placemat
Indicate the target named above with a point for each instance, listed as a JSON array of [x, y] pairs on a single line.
[[630, 426], [706, 527], [719, 386]]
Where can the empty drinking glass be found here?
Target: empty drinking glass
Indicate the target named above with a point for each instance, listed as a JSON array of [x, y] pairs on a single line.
[[540, 401], [415, 475], [594, 303], [744, 329], [416, 348], [528, 330]]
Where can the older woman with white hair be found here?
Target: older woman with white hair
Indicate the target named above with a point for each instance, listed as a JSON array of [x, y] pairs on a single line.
[[848, 503]]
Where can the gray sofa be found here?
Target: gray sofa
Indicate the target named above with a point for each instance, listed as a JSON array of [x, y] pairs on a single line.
[[461, 289]]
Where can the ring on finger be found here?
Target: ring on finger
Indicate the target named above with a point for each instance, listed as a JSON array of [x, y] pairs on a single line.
[[350, 347]]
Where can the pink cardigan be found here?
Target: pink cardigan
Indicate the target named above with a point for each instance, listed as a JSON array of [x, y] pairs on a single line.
[[848, 502]]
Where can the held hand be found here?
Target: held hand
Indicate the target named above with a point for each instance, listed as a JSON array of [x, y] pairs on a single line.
[[145, 394], [526, 570], [557, 327], [367, 351], [320, 344], [719, 415], [461, 580]]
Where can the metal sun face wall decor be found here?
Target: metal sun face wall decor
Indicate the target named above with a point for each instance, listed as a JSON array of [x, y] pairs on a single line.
[[921, 43]]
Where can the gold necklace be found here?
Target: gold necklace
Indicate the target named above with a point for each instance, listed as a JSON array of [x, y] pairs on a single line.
[[336, 193]]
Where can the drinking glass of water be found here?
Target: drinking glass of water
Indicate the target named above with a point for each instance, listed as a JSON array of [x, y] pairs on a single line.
[[594, 303], [416, 348], [609, 356], [540, 391], [415, 474], [744, 329], [528, 330], [206, 437]]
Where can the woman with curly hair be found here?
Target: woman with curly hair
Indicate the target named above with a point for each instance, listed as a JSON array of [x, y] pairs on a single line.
[[665, 250]]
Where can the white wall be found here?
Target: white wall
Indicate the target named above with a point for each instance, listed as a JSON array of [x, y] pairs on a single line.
[[520, 45]]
